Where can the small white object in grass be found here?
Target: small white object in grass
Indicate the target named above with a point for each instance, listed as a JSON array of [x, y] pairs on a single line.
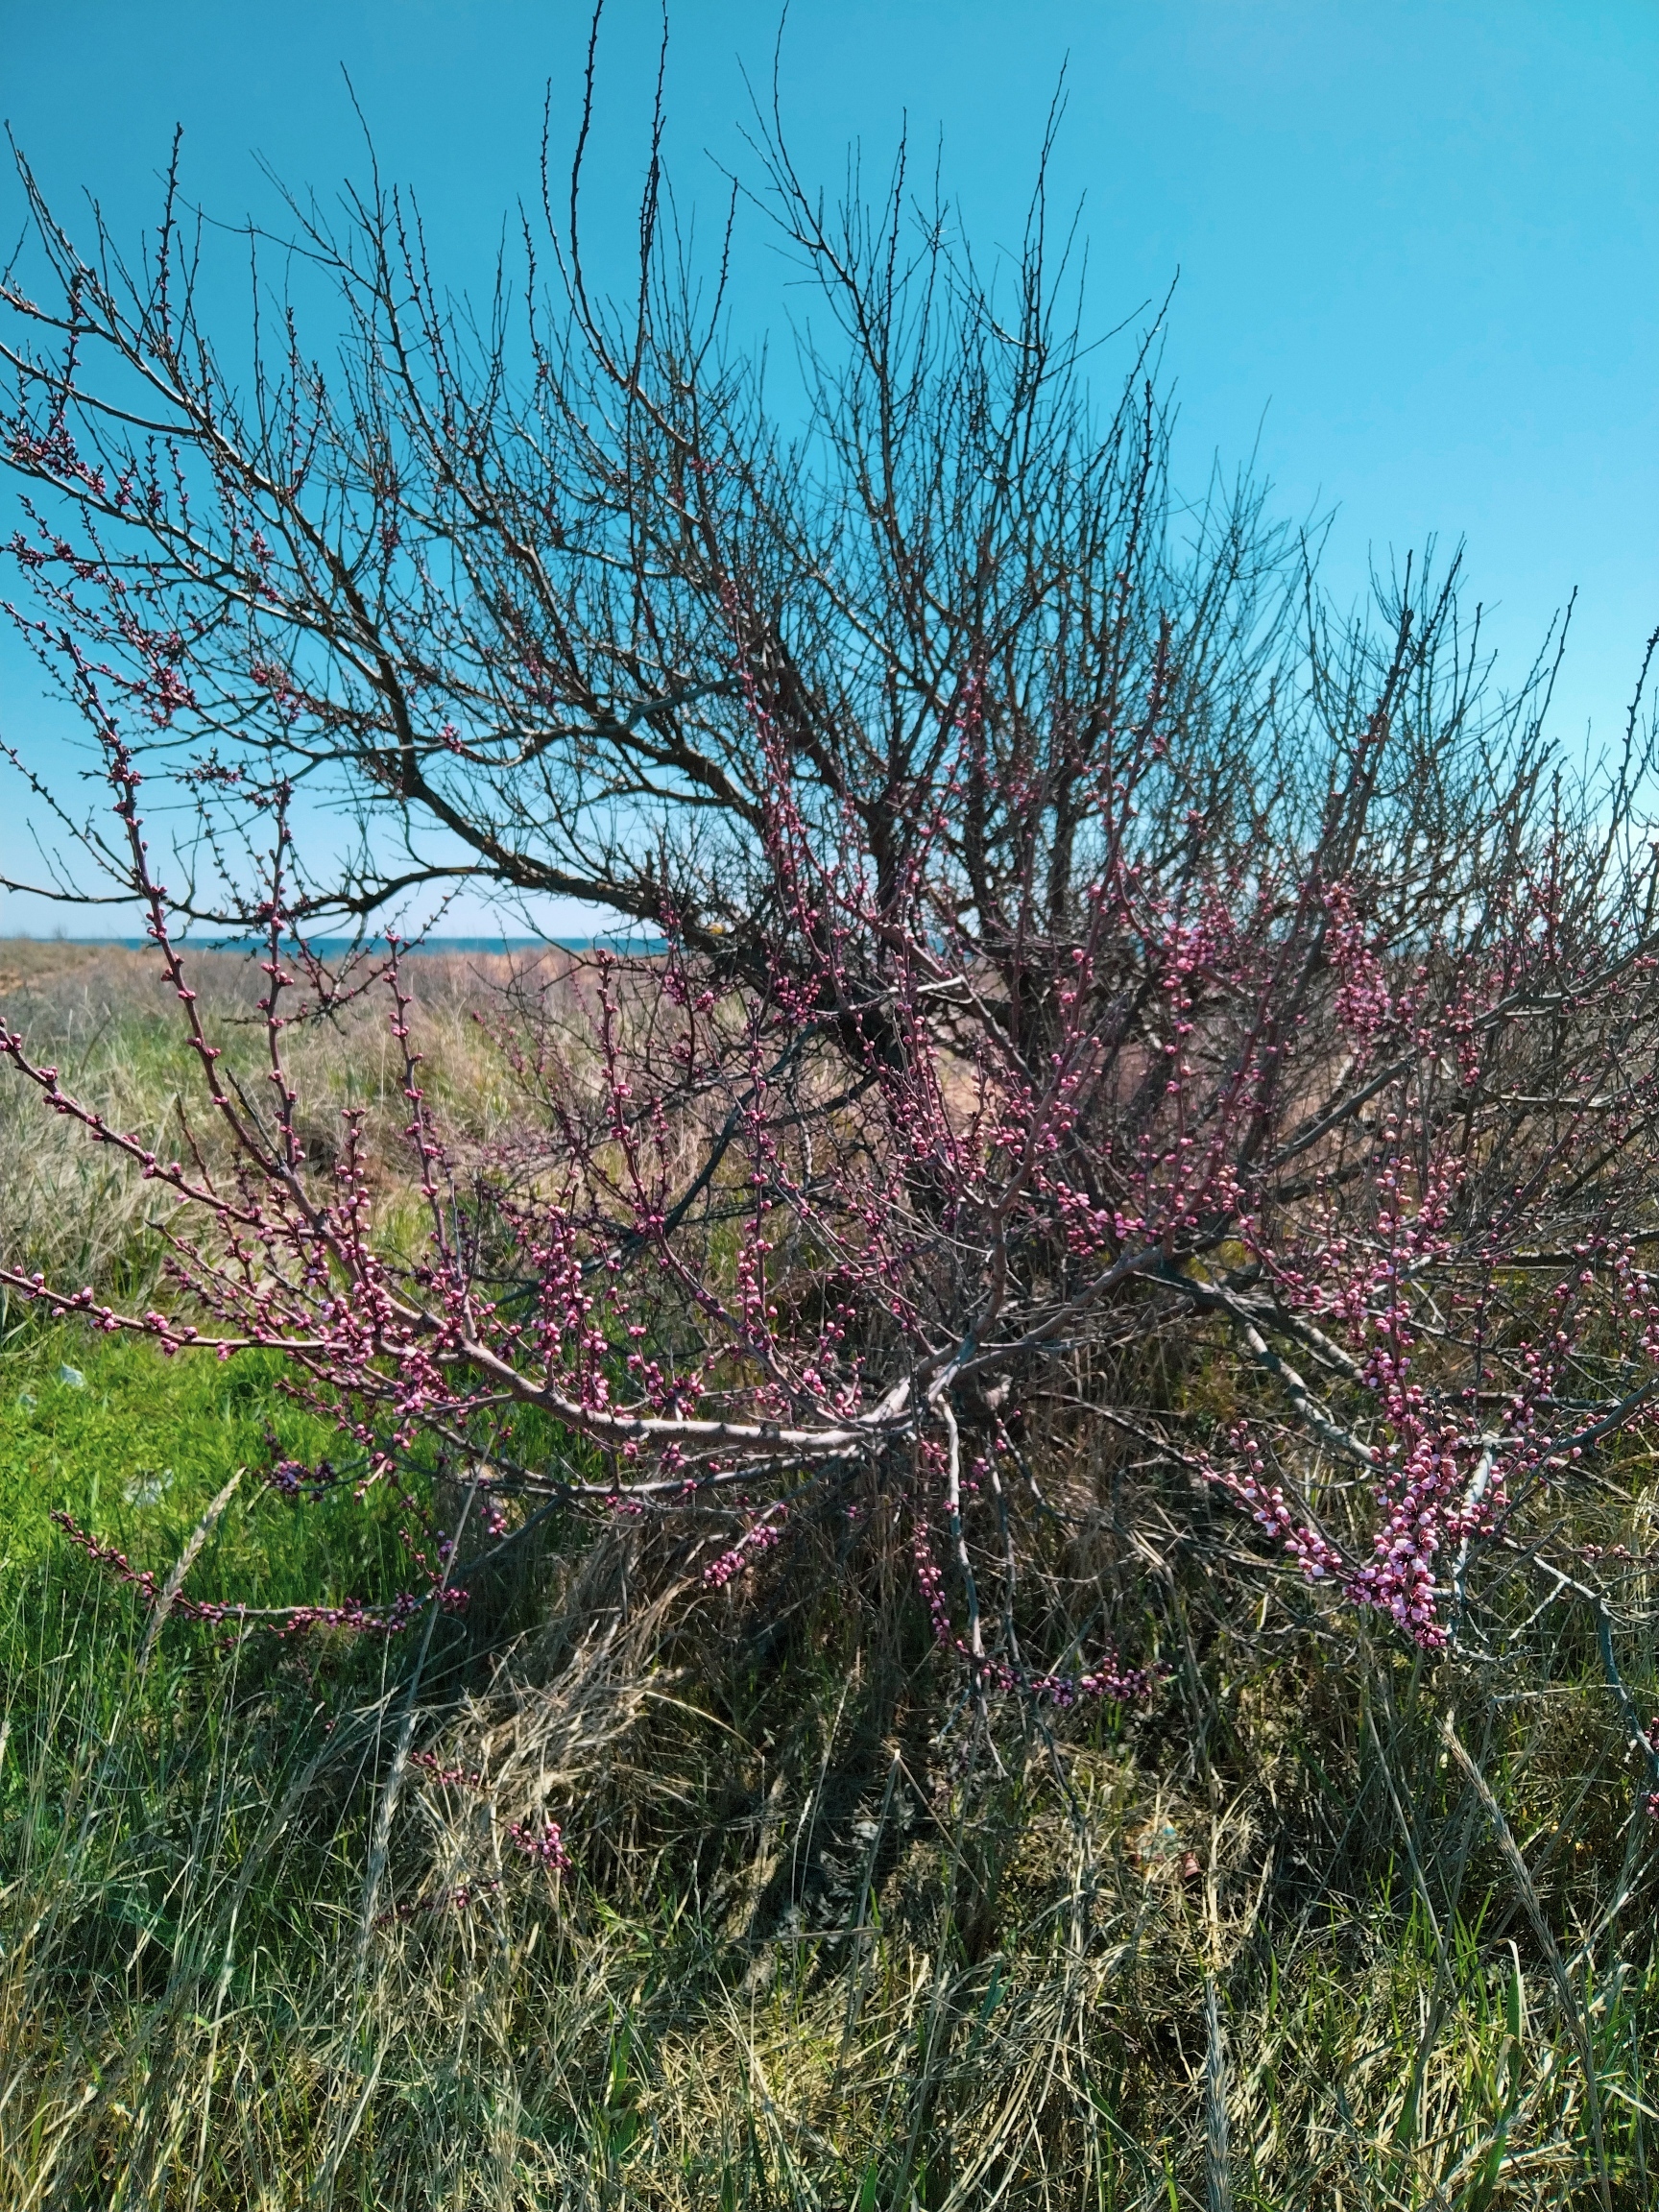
[[25, 1400], [147, 1489], [71, 1377]]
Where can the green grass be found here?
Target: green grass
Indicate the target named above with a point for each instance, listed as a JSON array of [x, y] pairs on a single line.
[[135, 1446]]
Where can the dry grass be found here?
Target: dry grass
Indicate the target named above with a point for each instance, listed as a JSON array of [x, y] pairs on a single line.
[[805, 1959], [107, 1018], [1325, 1925]]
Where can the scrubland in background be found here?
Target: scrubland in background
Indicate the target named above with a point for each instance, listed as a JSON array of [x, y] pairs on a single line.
[[1329, 1921]]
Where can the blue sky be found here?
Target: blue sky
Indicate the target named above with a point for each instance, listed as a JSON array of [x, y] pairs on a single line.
[[1418, 245]]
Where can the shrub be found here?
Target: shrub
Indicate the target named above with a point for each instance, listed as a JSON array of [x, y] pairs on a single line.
[[1108, 1012]]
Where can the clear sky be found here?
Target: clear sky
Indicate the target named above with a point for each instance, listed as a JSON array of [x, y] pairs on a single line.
[[1418, 244]]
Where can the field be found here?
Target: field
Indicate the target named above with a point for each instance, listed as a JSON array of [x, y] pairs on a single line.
[[1325, 1923]]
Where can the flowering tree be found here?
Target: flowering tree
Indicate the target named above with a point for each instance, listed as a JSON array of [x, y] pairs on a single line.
[[1081, 953]]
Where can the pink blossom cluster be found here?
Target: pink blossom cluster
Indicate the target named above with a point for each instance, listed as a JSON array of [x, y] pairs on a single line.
[[446, 1777], [758, 1538], [543, 1843]]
